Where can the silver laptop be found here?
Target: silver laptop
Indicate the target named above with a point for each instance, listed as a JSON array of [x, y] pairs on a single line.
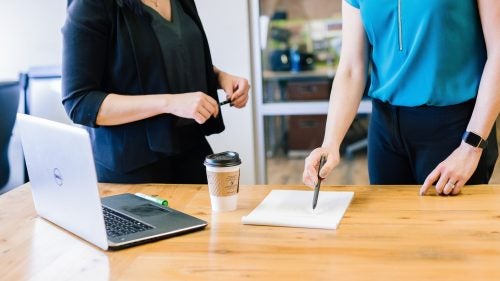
[[64, 185]]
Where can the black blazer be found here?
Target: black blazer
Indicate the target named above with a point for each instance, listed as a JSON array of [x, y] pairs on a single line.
[[109, 48]]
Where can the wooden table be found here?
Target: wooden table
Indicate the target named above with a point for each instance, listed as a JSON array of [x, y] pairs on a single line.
[[388, 233]]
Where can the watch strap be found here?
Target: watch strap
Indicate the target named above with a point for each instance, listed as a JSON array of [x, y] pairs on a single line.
[[474, 140]]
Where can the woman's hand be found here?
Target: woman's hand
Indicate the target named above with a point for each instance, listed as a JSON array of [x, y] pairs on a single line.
[[197, 105], [236, 88], [310, 175], [452, 174]]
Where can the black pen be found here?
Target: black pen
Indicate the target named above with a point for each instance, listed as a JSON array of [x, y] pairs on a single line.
[[318, 184], [225, 102]]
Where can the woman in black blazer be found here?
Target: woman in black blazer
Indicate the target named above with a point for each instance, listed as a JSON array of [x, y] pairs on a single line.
[[139, 75]]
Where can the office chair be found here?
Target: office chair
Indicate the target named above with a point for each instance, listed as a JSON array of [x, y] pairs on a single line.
[[42, 92], [9, 100], [39, 93]]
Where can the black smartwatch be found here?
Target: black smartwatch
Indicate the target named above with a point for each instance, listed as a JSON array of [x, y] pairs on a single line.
[[474, 140]]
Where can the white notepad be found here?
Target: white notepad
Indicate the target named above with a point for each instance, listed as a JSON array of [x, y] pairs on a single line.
[[293, 208]]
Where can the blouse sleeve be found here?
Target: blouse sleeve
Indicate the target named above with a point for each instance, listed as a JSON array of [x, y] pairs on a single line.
[[354, 3], [85, 34]]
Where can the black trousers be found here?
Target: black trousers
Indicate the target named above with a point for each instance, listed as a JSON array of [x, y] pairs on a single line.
[[406, 143], [185, 168]]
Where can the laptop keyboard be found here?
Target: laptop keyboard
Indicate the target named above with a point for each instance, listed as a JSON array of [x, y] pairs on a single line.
[[119, 225]]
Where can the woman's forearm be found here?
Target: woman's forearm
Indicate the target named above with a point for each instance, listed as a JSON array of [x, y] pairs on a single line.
[[487, 105], [121, 109], [347, 91], [350, 80]]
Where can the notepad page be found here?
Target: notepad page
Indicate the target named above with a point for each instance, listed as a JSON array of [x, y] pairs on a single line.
[[293, 208]]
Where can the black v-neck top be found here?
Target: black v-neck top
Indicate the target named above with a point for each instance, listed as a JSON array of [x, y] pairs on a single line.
[[181, 43]]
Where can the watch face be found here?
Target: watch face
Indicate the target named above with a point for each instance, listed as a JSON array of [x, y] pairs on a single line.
[[474, 140]]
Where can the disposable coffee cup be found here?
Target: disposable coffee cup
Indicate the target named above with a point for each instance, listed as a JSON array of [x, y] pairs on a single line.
[[223, 175]]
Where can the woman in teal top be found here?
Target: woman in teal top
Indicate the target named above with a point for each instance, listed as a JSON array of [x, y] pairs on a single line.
[[433, 66]]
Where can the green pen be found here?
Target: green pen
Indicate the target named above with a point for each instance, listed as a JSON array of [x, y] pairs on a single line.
[[157, 200]]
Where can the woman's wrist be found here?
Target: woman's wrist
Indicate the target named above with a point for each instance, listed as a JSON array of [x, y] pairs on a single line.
[[217, 74], [166, 103], [331, 146], [469, 149]]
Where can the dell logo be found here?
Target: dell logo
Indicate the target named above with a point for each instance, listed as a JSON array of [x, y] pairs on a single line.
[[58, 177]]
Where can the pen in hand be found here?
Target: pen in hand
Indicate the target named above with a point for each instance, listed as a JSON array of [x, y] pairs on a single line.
[[225, 102], [318, 184]]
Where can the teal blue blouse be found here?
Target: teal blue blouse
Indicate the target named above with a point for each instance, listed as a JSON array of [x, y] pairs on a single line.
[[425, 52]]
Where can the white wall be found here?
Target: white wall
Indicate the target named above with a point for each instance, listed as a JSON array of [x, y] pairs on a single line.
[[31, 35], [226, 23]]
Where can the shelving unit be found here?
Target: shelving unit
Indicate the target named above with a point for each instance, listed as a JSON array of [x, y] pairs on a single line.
[[271, 101]]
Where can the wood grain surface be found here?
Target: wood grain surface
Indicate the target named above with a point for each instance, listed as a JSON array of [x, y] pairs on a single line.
[[388, 233]]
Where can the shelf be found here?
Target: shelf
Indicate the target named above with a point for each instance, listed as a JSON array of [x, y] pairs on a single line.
[[306, 108], [283, 97], [321, 73]]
